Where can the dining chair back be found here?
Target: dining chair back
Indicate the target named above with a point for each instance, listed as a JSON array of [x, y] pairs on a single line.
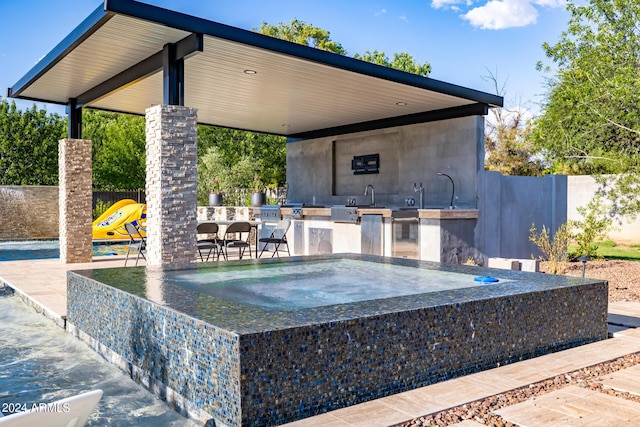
[[211, 244], [237, 235]]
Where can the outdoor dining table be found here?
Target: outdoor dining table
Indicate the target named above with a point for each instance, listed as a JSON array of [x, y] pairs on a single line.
[[225, 223]]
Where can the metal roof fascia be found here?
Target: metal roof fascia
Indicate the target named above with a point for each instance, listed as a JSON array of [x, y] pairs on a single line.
[[92, 23], [194, 24], [478, 109]]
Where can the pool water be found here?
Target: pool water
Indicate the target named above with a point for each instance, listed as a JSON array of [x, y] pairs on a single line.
[[47, 249], [282, 287], [40, 363]]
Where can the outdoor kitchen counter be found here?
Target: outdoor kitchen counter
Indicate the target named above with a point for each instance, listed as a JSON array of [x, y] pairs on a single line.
[[426, 234], [447, 213], [307, 211], [385, 212], [442, 214]]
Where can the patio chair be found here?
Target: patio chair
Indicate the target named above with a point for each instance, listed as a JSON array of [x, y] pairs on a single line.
[[278, 237], [241, 229], [137, 242], [72, 411], [212, 244]]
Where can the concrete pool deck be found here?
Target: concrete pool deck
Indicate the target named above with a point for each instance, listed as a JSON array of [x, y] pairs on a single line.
[[42, 284]]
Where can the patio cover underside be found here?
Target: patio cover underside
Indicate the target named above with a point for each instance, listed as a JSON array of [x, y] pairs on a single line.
[[113, 62]]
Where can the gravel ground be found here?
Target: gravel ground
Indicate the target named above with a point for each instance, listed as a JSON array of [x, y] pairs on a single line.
[[624, 285], [481, 410], [623, 277]]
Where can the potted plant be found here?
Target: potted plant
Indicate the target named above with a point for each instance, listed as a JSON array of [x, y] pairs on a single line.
[[215, 195], [258, 197]]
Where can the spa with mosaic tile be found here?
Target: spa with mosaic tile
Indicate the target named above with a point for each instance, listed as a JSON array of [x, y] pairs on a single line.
[[230, 342]]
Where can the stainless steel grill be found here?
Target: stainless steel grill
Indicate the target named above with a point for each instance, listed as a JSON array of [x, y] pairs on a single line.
[[296, 210], [270, 213], [341, 213]]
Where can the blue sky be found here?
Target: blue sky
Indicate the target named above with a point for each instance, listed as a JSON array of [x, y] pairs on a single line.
[[461, 39]]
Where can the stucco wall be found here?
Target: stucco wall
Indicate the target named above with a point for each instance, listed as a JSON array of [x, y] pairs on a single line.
[[28, 212], [581, 190], [319, 170]]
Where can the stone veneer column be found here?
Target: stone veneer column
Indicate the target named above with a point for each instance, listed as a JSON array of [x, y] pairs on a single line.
[[172, 195], [75, 200]]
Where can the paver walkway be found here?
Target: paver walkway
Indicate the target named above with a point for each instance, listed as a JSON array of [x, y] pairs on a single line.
[[43, 282], [573, 405]]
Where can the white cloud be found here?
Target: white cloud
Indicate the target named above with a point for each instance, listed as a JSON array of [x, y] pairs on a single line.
[[404, 18], [381, 12], [498, 14], [550, 3], [501, 14], [443, 4]]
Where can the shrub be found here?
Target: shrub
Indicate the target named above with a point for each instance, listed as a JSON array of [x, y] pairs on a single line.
[[594, 227], [101, 207], [240, 175], [553, 248]]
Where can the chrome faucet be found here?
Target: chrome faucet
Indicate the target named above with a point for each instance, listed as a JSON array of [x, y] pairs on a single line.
[[421, 191], [373, 195], [453, 189]]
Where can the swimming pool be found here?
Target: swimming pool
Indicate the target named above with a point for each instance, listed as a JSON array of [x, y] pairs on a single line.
[[48, 249], [251, 364], [41, 363]]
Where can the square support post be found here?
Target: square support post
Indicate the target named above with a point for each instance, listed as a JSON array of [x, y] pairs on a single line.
[[75, 200], [172, 187]]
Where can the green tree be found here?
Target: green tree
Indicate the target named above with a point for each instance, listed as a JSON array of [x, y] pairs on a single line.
[[595, 225], [590, 121], [230, 173], [268, 151], [508, 148], [302, 33], [29, 145], [306, 34], [401, 61], [119, 157]]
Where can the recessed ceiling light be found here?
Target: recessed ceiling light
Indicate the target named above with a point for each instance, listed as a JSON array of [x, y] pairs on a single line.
[[250, 72], [401, 103]]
